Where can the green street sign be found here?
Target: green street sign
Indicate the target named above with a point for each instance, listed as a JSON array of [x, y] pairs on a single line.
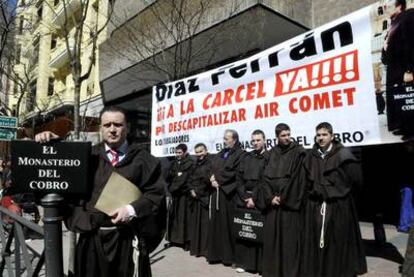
[[7, 134], [8, 122]]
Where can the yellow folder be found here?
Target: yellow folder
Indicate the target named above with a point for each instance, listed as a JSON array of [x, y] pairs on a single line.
[[118, 192]]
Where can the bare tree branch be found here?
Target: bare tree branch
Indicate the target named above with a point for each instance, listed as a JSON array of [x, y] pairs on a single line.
[[164, 38]]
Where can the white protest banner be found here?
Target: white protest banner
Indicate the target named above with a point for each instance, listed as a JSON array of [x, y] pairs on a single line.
[[334, 73]]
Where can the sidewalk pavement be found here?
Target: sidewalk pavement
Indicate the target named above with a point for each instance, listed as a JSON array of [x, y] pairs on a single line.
[[174, 262], [382, 261]]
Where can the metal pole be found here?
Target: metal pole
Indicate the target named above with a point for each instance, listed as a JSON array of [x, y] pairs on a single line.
[[53, 235], [17, 266]]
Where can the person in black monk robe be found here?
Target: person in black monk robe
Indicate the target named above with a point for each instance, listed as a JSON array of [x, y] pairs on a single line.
[[178, 180], [223, 180], [248, 254], [104, 247], [200, 190], [332, 237], [283, 191]]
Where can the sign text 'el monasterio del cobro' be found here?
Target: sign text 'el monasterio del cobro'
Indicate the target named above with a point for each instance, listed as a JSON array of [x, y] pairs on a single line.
[[56, 167]]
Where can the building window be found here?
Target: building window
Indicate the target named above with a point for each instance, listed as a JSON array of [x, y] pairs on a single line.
[[18, 53], [385, 25], [15, 90], [56, 2], [31, 97], [380, 11], [39, 7], [22, 3], [53, 42], [35, 55], [96, 5], [51, 86], [21, 22]]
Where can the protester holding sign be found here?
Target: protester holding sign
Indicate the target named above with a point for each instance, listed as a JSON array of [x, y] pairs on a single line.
[[248, 255], [282, 192], [104, 247], [398, 55], [225, 167], [332, 238], [201, 190], [178, 180]]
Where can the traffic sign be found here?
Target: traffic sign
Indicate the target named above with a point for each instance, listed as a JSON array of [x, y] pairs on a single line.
[[8, 122], [7, 134]]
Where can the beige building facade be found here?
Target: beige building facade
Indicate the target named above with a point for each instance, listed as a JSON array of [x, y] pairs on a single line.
[[44, 43]]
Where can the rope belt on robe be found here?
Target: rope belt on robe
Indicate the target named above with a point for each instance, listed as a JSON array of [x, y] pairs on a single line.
[[217, 203], [322, 237], [135, 255]]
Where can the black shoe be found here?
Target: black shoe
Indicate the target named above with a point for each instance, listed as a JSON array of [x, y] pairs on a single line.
[[407, 137]]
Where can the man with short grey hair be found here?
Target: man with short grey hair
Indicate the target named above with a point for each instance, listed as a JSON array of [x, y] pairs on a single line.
[[223, 180]]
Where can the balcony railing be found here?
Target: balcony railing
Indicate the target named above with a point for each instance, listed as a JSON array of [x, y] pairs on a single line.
[[60, 99], [14, 248], [59, 13], [60, 54]]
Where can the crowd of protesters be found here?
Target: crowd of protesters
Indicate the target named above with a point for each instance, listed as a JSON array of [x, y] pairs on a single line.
[[302, 199]]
